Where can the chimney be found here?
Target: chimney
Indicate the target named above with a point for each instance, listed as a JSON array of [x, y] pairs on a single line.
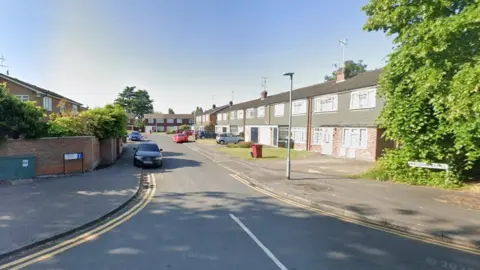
[[340, 75], [213, 106], [263, 94], [230, 103]]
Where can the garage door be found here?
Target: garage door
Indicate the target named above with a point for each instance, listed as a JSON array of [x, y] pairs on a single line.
[[264, 135]]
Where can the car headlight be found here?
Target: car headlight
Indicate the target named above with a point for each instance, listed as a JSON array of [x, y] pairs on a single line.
[[138, 157], [158, 158]]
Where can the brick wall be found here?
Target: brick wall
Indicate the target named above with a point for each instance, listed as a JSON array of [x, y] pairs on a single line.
[[50, 151], [110, 150], [369, 154]]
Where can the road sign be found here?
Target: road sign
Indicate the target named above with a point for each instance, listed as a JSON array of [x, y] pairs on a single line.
[[72, 156], [438, 166]]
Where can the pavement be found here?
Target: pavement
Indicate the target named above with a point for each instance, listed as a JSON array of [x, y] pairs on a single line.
[[445, 215], [201, 217], [44, 208]]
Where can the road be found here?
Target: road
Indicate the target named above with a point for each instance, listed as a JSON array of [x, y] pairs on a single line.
[[203, 218]]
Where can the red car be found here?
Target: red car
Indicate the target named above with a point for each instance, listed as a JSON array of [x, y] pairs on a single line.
[[188, 132], [180, 138]]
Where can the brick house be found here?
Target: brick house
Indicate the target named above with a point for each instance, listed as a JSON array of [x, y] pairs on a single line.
[[337, 118], [166, 122], [50, 101], [210, 116]]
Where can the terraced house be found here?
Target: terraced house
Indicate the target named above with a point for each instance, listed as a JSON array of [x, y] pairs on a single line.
[[212, 115], [166, 122], [337, 118], [52, 102]]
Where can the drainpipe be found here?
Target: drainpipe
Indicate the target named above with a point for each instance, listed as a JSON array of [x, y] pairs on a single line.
[[309, 124]]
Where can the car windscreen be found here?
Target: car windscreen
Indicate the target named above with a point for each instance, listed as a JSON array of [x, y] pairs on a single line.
[[149, 147], [135, 133]]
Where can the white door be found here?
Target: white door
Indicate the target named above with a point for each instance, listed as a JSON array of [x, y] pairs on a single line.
[[326, 142], [264, 135]]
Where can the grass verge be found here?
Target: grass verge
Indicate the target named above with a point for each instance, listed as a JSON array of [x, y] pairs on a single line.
[[268, 153]]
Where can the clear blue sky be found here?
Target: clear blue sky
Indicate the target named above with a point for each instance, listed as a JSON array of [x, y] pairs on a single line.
[[182, 51]]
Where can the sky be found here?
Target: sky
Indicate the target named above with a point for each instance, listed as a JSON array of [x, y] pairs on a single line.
[[185, 53]]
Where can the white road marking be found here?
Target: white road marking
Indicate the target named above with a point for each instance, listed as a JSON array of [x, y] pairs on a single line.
[[260, 244]]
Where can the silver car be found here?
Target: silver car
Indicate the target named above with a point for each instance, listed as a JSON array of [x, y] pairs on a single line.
[[226, 138]]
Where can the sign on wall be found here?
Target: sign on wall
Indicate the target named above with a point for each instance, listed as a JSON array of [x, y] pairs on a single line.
[[72, 156], [438, 166]]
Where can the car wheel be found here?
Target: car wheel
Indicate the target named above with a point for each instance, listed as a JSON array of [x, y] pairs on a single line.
[[222, 142]]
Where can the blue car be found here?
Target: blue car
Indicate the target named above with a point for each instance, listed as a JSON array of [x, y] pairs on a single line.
[[135, 136]]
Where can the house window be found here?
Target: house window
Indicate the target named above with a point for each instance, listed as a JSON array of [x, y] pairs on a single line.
[[75, 109], [354, 138], [298, 135], [62, 108], [363, 99], [326, 103], [190, 121], [161, 128], [240, 114], [47, 103], [251, 113], [179, 121], [170, 121], [299, 107], [220, 117], [260, 112], [233, 115], [150, 120], [23, 97], [279, 109], [160, 120], [225, 116], [317, 135]]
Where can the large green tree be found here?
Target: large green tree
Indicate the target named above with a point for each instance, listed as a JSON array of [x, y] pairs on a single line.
[[431, 83], [137, 102], [170, 111], [19, 119], [197, 110], [351, 69]]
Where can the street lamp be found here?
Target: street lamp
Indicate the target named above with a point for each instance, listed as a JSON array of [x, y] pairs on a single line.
[[290, 74]]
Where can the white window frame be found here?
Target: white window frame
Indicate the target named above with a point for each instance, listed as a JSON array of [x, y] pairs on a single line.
[[23, 98], [233, 115], [317, 136], [191, 121], [47, 103], [220, 117], [321, 104], [279, 110], [302, 137], [75, 109], [161, 128], [349, 141], [179, 120], [261, 112], [225, 116], [370, 99], [240, 114], [170, 121], [303, 107], [160, 120], [150, 120], [250, 113]]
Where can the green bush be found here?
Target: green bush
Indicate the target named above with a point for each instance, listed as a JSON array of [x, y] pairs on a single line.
[[172, 132], [184, 127], [240, 145]]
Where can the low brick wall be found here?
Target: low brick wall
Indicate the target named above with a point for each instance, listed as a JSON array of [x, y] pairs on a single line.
[[50, 153]]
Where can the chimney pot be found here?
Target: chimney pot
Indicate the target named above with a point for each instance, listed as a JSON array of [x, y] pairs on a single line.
[[213, 106], [340, 75], [231, 103]]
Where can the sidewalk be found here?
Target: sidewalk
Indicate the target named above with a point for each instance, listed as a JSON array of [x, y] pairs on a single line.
[[47, 207], [450, 216]]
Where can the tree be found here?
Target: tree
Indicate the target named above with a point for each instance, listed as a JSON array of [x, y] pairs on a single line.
[[135, 102], [430, 85], [197, 110], [350, 69], [170, 111], [19, 119]]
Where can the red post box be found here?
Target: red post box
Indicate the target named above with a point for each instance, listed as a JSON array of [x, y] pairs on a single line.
[[257, 150]]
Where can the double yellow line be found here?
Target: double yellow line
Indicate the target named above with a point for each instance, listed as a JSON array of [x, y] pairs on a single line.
[[359, 222], [87, 236]]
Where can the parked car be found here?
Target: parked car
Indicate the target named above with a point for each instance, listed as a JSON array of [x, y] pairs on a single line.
[[135, 136], [180, 138], [226, 138], [188, 132], [199, 134], [147, 154]]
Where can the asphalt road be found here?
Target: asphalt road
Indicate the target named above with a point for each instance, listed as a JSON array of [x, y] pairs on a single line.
[[202, 218]]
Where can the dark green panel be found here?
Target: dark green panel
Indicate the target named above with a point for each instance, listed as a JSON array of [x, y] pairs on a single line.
[[17, 167]]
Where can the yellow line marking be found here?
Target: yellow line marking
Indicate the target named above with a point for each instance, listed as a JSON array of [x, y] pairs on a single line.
[[61, 247], [306, 207]]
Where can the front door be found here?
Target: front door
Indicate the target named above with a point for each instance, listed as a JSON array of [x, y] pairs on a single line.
[[224, 129], [326, 139], [275, 136], [254, 134]]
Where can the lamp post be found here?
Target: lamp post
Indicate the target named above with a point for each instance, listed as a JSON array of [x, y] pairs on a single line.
[[290, 74]]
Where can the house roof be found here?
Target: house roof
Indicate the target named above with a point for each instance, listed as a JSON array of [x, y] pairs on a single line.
[[212, 110], [37, 89], [168, 116], [362, 80]]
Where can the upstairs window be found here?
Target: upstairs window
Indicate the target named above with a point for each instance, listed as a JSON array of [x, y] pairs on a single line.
[[23, 97], [279, 110], [260, 112], [326, 103], [299, 107], [240, 114], [47, 103], [363, 99], [250, 113]]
